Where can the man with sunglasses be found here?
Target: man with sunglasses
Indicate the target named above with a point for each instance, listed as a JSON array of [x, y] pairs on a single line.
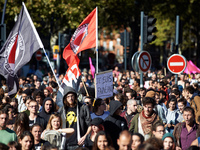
[[89, 101], [34, 117]]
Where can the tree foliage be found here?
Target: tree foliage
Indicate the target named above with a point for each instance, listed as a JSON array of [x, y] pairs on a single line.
[[51, 16]]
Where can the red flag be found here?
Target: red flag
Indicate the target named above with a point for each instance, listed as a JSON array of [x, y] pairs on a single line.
[[83, 38]]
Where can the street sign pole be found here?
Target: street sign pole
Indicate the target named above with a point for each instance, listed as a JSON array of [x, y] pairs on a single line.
[[177, 42], [141, 44]]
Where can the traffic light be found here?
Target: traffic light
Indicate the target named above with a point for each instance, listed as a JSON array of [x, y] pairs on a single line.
[[149, 29], [3, 34]]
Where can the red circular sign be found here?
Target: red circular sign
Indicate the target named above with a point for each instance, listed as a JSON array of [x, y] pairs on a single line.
[[38, 55], [144, 61], [176, 63]]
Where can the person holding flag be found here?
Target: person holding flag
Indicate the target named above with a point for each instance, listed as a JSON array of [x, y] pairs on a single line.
[[74, 114], [83, 38]]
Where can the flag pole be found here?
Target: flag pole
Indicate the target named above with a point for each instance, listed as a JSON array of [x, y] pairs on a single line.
[[51, 66], [97, 65]]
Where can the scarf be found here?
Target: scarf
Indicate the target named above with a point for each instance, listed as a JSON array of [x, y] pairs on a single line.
[[146, 122]]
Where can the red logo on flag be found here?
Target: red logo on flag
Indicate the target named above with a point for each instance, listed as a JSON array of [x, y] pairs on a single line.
[[83, 38], [78, 37], [14, 51]]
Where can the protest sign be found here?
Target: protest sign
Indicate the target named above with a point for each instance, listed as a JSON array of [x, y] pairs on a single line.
[[104, 84]]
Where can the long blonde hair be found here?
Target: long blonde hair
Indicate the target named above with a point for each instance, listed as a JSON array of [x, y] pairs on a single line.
[[55, 115]]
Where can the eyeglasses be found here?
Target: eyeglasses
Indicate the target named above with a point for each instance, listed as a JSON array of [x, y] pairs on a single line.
[[33, 106], [87, 103]]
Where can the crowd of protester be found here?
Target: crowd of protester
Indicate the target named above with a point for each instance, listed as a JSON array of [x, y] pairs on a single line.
[[160, 115]]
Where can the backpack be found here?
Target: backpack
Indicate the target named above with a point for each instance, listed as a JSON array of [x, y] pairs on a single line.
[[53, 137]]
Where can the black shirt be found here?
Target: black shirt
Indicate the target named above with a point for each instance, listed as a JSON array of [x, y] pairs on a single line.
[[42, 142], [71, 122]]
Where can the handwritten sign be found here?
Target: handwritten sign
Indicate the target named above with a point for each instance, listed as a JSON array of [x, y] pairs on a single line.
[[104, 84]]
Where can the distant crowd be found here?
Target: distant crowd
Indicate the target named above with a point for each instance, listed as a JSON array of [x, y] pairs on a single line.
[[161, 115]]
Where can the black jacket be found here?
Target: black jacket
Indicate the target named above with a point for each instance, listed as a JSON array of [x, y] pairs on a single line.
[[43, 113], [42, 122], [114, 124], [84, 113]]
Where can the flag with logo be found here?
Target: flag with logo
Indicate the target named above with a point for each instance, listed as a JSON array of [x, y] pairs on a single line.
[[18, 49], [83, 38]]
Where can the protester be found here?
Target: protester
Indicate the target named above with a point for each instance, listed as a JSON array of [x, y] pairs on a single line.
[[124, 140], [27, 141], [156, 143], [99, 109], [34, 117], [131, 94], [114, 123], [168, 142], [6, 135], [4, 146], [47, 92], [47, 108], [171, 115], [13, 102], [89, 101], [54, 124], [21, 102], [76, 116], [137, 139], [97, 126], [142, 94], [21, 124], [157, 108], [39, 97], [36, 131], [11, 118], [158, 130], [194, 100], [27, 101], [130, 112], [181, 105], [14, 145], [186, 132], [102, 141], [142, 122]]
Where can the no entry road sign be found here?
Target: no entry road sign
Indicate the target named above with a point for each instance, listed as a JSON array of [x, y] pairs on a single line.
[[144, 61], [38, 55], [176, 63]]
